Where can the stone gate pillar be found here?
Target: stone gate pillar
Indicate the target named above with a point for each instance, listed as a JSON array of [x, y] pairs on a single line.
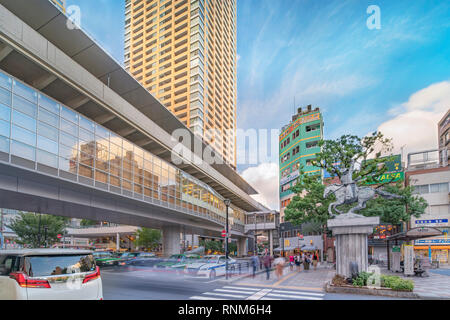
[[351, 241]]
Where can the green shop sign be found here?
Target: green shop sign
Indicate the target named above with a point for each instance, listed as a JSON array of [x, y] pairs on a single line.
[[391, 177]]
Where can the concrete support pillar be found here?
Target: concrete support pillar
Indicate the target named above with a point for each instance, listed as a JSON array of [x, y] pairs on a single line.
[[117, 242], [351, 241], [171, 241], [242, 247]]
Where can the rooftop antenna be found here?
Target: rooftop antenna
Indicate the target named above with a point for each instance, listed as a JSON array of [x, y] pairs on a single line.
[[294, 105]]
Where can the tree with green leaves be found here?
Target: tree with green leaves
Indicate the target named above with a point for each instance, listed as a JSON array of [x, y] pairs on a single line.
[[88, 223], [30, 228], [309, 205], [232, 247], [148, 238], [212, 245]]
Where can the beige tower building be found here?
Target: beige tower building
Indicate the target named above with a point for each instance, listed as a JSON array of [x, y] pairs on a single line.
[[184, 53]]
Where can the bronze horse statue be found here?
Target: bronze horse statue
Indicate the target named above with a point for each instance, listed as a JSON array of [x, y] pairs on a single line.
[[361, 196], [348, 192]]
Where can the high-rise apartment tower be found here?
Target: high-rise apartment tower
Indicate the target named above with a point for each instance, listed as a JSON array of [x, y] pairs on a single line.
[[184, 53], [299, 143]]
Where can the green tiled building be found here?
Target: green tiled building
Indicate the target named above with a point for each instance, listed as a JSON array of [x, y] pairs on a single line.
[[299, 143]]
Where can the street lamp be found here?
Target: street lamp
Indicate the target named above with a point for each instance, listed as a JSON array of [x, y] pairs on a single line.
[[227, 204], [256, 236]]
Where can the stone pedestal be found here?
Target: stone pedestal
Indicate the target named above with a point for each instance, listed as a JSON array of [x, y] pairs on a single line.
[[351, 241]]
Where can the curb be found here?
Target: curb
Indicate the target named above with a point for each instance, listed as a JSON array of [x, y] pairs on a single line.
[[371, 292], [248, 275]]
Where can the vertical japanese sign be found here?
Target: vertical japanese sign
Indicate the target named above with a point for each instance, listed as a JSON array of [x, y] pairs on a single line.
[[409, 260]]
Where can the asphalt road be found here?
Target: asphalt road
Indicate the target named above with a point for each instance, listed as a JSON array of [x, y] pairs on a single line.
[[152, 285], [157, 285]]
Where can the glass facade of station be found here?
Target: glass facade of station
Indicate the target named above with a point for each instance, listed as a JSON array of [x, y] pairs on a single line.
[[41, 134]]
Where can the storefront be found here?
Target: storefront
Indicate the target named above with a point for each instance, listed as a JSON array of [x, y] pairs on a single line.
[[428, 241], [438, 248], [377, 244], [294, 245]]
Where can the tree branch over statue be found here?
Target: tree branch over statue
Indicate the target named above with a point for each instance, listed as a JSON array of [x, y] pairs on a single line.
[[356, 162]]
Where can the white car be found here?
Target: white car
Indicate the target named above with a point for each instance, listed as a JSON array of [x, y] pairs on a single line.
[[210, 266], [49, 274]]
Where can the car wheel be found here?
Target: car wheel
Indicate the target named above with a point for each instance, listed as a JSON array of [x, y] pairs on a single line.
[[212, 275]]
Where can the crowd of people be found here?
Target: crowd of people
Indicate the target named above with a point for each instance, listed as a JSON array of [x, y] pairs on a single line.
[[295, 260]]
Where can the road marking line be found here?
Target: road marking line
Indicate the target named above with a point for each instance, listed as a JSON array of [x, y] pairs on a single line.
[[285, 278], [243, 288], [281, 287], [224, 295], [213, 281], [270, 299], [258, 295], [203, 298], [292, 296], [301, 293], [235, 291]]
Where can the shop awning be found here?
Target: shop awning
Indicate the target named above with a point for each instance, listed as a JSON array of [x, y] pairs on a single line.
[[308, 248], [432, 247], [416, 233]]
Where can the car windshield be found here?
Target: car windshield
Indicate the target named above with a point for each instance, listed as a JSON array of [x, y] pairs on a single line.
[[210, 259], [41, 266], [146, 255], [101, 255]]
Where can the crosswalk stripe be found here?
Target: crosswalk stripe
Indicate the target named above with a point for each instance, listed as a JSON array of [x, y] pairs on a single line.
[[301, 293], [269, 299], [234, 291], [243, 288], [224, 295], [258, 295], [203, 298], [293, 296]]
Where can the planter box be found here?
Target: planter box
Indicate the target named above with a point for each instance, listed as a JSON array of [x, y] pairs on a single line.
[[386, 292]]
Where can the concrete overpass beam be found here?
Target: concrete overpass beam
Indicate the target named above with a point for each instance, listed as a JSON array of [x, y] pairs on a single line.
[[126, 132], [4, 51], [104, 118], [171, 241], [43, 81], [77, 102]]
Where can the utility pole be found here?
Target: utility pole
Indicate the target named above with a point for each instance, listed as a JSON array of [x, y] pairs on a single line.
[[2, 239], [256, 236], [227, 204]]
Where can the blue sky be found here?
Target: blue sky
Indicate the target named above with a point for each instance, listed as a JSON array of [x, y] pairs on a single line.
[[322, 53]]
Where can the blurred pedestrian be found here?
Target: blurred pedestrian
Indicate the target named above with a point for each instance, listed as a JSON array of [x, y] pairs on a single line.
[[305, 261], [315, 260], [298, 261], [267, 261], [255, 262], [291, 262], [279, 265]]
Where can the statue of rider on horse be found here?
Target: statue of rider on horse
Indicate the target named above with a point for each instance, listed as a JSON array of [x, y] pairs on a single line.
[[348, 192]]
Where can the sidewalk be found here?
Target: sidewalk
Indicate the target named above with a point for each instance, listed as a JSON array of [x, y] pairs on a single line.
[[436, 286], [303, 280]]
